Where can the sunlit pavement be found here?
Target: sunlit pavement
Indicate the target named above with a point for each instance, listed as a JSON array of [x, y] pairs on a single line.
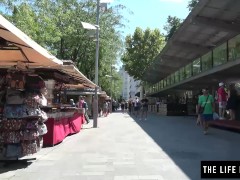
[[126, 149]]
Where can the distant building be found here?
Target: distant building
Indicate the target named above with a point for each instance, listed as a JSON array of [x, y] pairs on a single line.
[[134, 87], [130, 85]]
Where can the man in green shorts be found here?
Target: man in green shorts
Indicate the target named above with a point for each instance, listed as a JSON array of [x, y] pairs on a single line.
[[206, 108]]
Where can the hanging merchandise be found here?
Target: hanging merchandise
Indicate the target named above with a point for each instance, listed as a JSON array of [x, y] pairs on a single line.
[[21, 118], [29, 147], [42, 129], [14, 111], [16, 80], [15, 96]]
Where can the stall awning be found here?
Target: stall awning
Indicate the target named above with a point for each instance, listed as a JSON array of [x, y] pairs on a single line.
[[74, 86], [16, 46], [77, 92], [73, 71]]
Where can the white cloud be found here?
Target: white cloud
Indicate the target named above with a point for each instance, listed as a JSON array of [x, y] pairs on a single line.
[[172, 1]]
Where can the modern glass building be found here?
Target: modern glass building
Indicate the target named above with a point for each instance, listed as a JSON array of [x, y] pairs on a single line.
[[204, 51]]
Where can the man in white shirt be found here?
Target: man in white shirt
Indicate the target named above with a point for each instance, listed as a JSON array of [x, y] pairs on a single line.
[[136, 107]]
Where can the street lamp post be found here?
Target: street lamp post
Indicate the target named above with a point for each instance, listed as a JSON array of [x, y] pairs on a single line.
[[95, 114], [96, 27]]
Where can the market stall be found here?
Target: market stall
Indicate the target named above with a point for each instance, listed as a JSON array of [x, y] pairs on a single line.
[[63, 119], [22, 123], [22, 93], [29, 111]]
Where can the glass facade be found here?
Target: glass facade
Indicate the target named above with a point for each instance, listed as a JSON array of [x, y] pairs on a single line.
[[229, 51], [164, 83], [188, 71], [161, 84], [176, 74], [168, 81], [172, 79], [196, 66], [220, 55], [234, 48], [182, 74], [207, 61]]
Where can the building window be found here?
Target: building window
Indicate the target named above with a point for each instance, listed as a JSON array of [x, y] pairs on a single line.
[[207, 61], [164, 82], [161, 84], [196, 66], [182, 74], [220, 55], [188, 71], [176, 74], [168, 81], [172, 79], [158, 86], [234, 48]]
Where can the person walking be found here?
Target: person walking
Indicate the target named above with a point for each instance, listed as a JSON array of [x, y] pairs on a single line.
[[232, 102], [130, 107], [144, 108], [83, 104], [137, 106], [105, 109], [206, 108], [222, 100], [122, 106], [80, 102], [126, 106]]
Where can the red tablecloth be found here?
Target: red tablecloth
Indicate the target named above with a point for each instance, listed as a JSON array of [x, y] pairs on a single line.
[[60, 128]]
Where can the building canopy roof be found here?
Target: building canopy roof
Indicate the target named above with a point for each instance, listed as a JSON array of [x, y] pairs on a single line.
[[210, 23]]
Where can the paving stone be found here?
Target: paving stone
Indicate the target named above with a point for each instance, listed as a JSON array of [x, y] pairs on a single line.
[[126, 149]]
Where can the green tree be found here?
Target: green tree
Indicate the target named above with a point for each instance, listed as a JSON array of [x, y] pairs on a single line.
[[56, 25], [173, 23], [192, 4], [141, 49]]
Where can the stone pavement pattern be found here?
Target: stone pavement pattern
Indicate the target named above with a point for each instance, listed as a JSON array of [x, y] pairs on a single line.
[[126, 149]]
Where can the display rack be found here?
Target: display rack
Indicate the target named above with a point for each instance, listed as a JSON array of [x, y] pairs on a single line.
[[21, 118]]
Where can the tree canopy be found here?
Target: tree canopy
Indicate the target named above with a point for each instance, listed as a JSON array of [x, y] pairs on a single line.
[[56, 25], [141, 49], [173, 23], [192, 4]]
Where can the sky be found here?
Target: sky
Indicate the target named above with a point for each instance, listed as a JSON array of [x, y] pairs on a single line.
[[151, 13]]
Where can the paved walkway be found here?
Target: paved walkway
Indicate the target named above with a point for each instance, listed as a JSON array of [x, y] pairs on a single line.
[[125, 149]]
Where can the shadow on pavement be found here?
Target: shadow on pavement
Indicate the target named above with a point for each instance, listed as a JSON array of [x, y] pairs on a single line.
[[7, 166], [184, 142]]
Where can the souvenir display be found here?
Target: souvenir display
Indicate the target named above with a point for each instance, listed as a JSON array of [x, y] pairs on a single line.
[[21, 118]]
